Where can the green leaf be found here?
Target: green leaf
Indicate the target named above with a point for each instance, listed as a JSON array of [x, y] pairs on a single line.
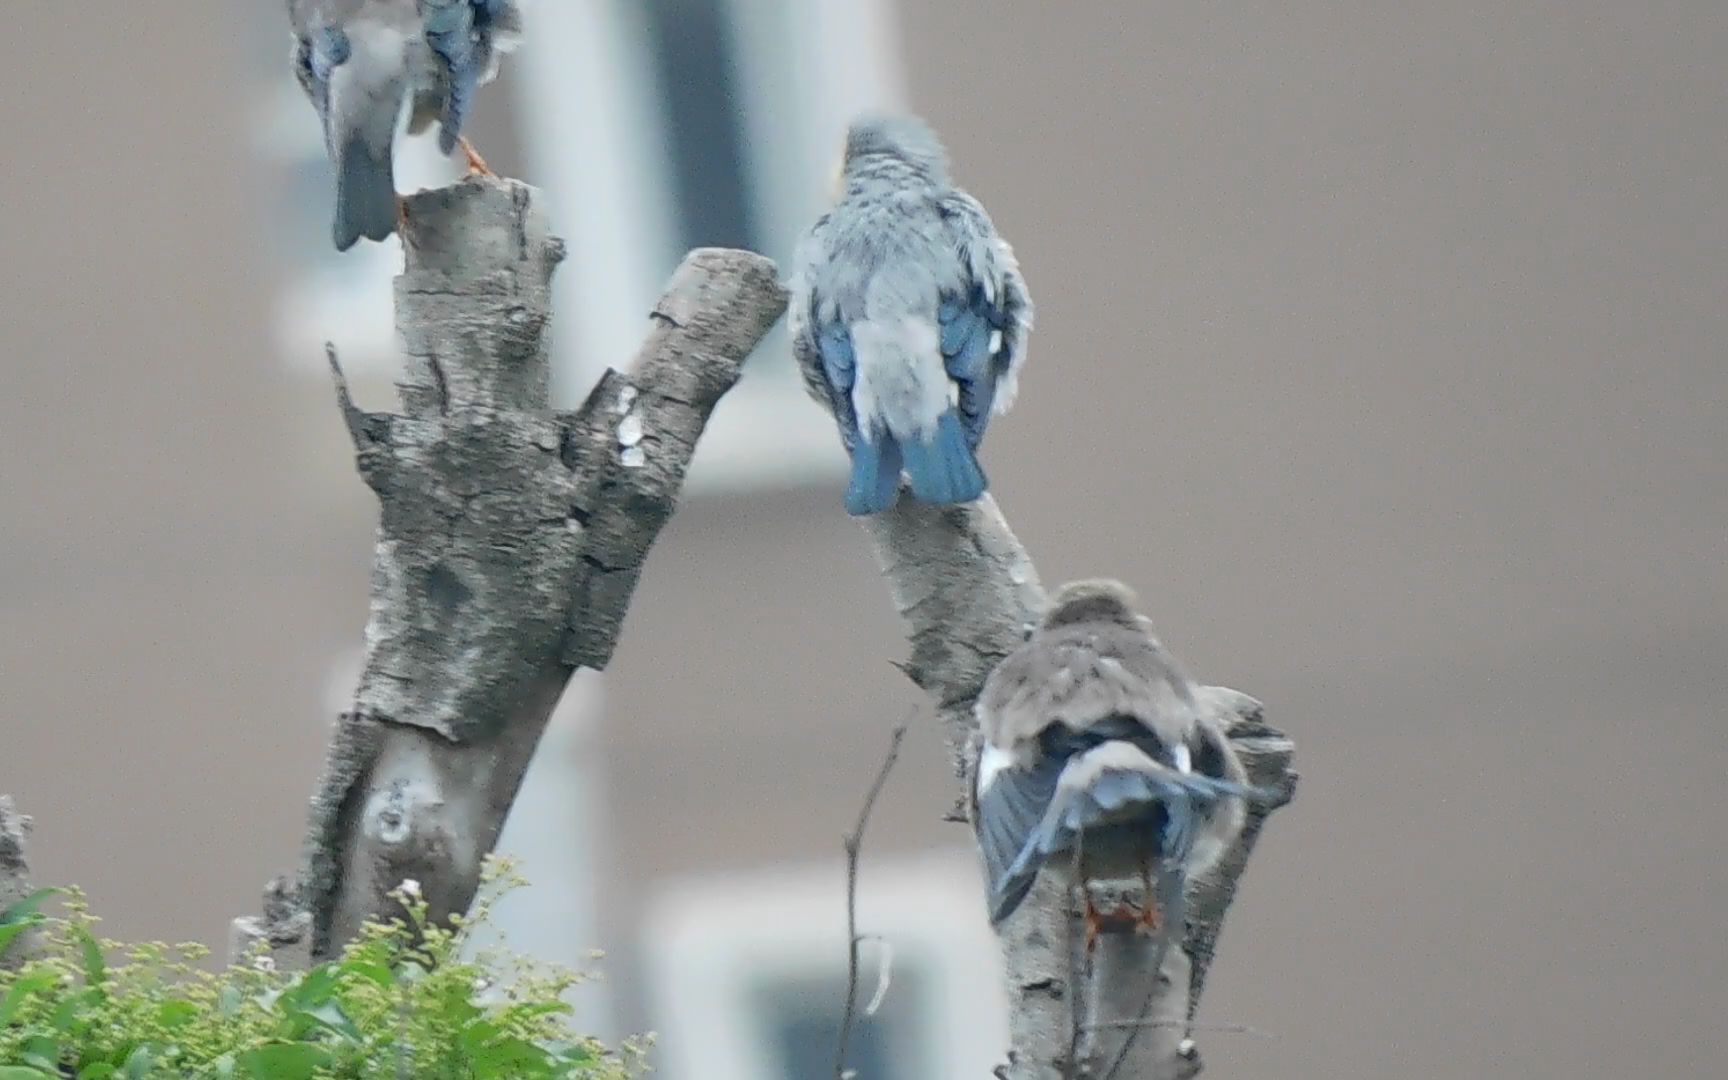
[[329, 1015], [530, 1010], [73, 1005], [42, 1052], [10, 930], [478, 1033], [577, 1054], [175, 1012], [26, 907], [230, 999], [509, 1058], [101, 1070], [221, 1069], [95, 966], [283, 1061], [23, 988], [21, 1072], [138, 1062], [365, 969], [311, 988]]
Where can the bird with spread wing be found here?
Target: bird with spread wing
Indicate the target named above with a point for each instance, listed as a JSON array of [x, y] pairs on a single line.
[[1095, 758]]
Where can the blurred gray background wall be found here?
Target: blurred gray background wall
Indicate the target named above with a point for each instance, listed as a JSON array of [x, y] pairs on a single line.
[[1382, 350]]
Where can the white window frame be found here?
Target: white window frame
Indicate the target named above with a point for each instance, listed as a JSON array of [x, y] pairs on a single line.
[[805, 69], [348, 299], [708, 942]]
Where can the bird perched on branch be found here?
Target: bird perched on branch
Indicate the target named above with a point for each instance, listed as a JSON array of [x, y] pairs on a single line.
[[1095, 751], [359, 60], [909, 318]]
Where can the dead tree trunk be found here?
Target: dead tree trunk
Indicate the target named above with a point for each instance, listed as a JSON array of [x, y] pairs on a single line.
[[510, 539], [968, 592]]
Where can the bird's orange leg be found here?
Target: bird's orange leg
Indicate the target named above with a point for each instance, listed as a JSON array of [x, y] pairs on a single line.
[[476, 164], [1147, 920], [1094, 923]]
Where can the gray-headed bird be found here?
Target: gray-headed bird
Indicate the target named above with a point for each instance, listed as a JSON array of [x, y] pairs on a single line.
[[1095, 751], [360, 60], [909, 318]]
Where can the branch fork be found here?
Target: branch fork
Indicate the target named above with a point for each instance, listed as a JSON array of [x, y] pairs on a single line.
[[510, 540]]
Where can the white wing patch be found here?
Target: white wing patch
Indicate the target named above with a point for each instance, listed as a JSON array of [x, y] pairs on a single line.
[[990, 763]]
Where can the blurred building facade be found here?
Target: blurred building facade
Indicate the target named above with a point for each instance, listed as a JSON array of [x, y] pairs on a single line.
[[1381, 351]]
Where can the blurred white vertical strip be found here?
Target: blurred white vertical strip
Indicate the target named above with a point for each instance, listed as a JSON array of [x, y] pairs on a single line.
[[803, 70], [811, 67], [556, 833], [590, 118], [718, 946]]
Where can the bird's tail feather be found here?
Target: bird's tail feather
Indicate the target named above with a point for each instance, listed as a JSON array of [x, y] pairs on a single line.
[[875, 475], [1073, 810], [365, 193], [944, 470]]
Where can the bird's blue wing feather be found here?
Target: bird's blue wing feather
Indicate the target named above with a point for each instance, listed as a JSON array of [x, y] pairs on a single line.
[[984, 318], [968, 323], [1009, 813], [1070, 811], [821, 342], [838, 366], [316, 57], [460, 33]]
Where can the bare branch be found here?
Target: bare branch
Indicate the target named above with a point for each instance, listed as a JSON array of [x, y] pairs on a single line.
[[968, 592], [853, 843], [510, 538]]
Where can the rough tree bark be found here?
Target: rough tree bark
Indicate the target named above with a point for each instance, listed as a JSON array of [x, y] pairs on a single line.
[[968, 592], [509, 542]]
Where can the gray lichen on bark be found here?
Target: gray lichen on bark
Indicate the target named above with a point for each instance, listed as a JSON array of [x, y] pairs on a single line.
[[968, 592], [510, 539]]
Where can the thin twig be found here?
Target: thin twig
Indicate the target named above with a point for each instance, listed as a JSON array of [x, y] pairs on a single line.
[[1221, 1029], [853, 842]]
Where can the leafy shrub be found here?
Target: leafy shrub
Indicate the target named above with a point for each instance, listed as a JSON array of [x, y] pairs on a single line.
[[400, 1002]]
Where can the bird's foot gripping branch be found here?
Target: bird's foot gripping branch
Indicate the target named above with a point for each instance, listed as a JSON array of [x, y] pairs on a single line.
[[971, 599]]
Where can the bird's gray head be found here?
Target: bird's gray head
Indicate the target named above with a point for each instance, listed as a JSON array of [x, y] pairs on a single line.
[[1092, 600], [904, 139]]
